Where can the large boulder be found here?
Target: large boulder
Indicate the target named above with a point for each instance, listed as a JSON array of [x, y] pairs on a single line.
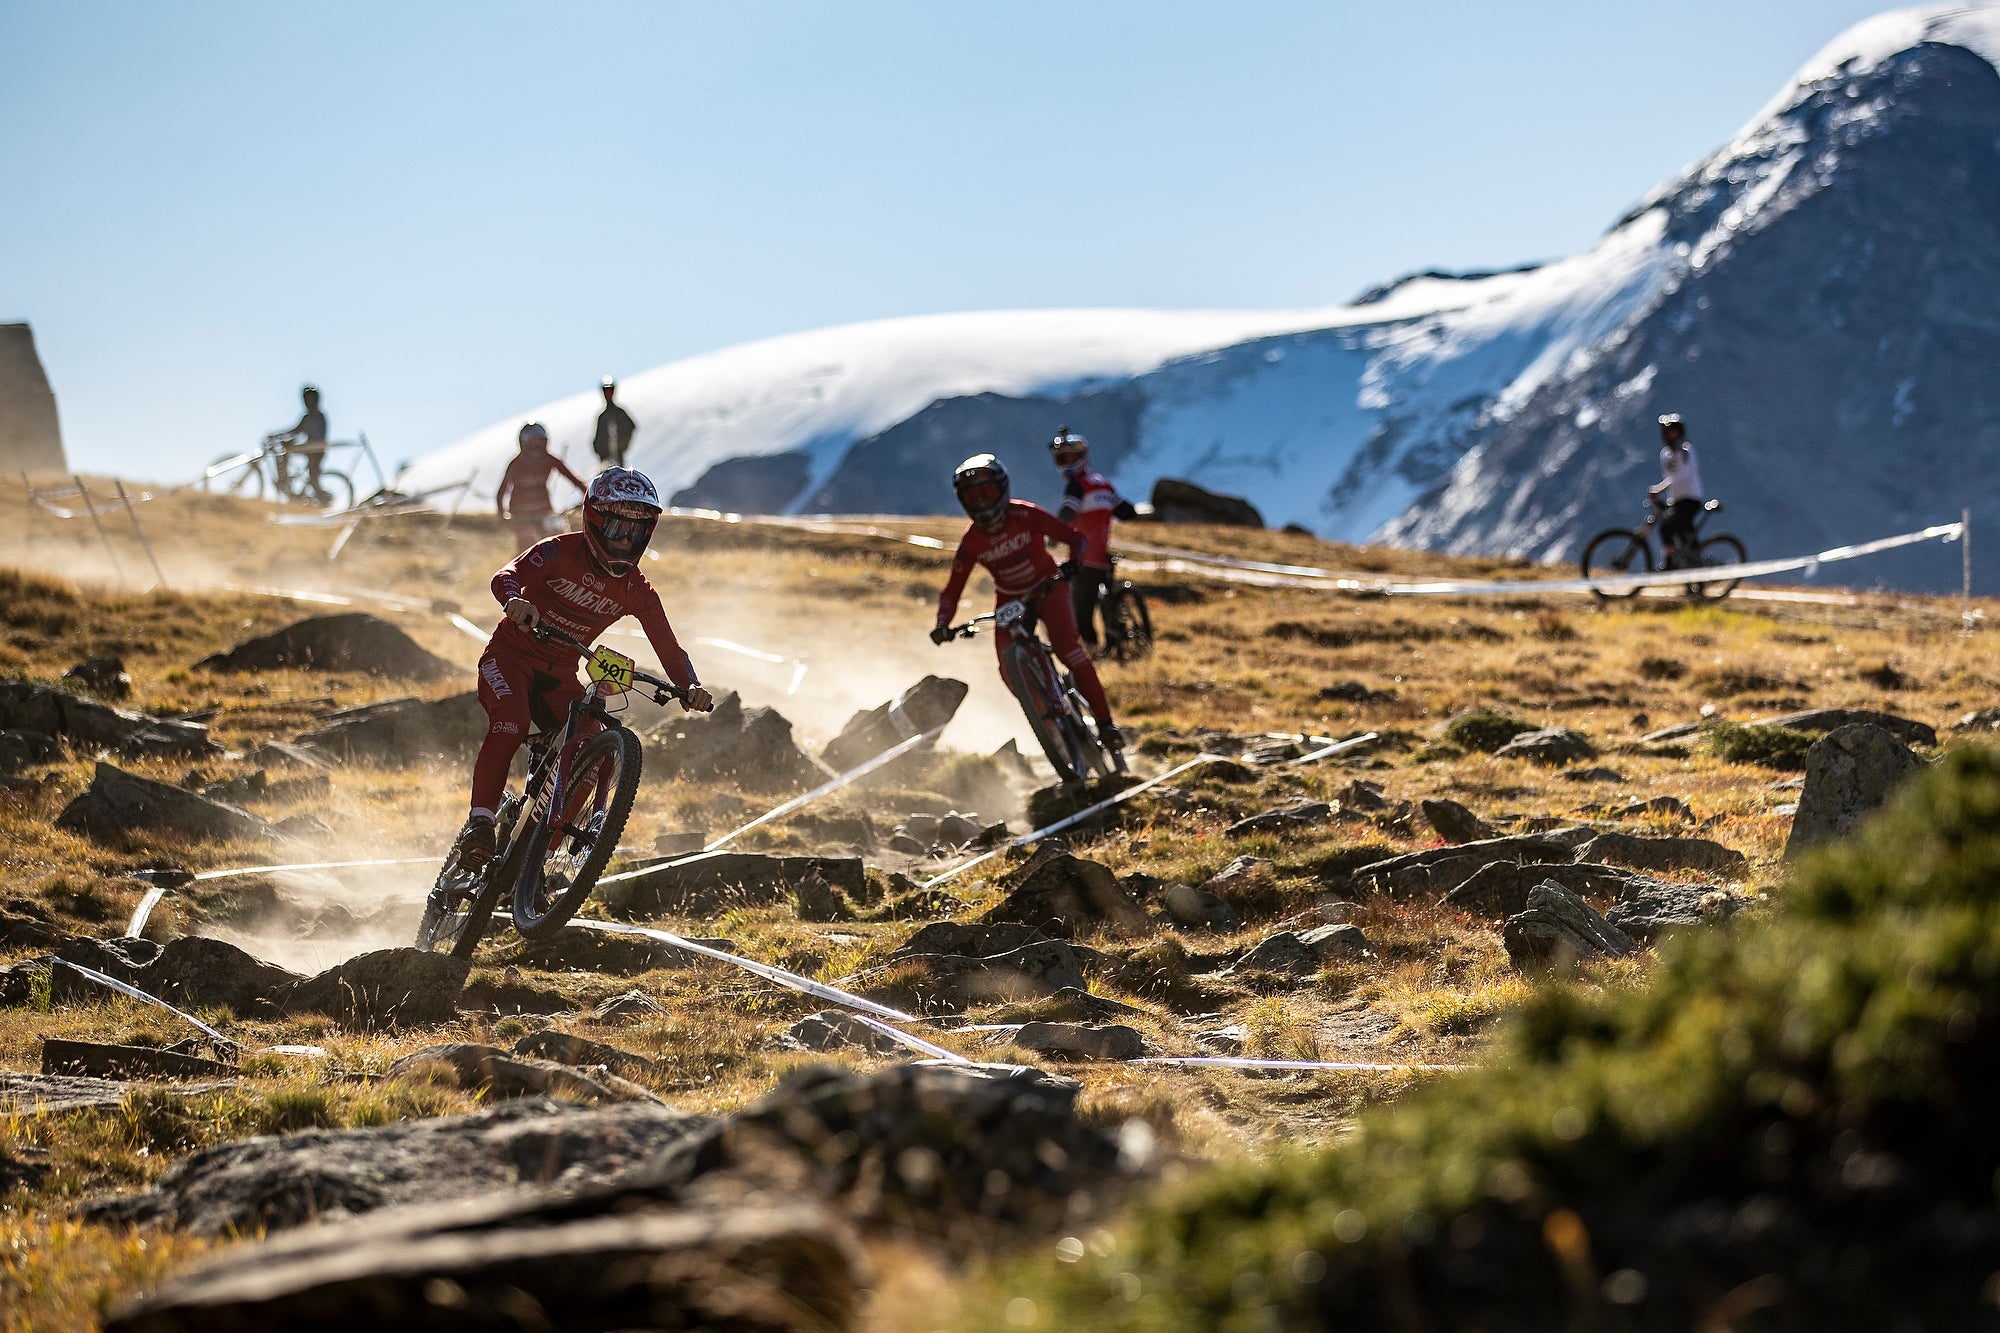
[[401, 731], [1850, 772], [710, 884], [22, 749], [1500, 890], [497, 1075], [197, 972], [1640, 853], [931, 702], [1065, 896], [117, 803], [1558, 929], [1648, 908], [92, 726], [1439, 870], [385, 988], [1454, 822], [1550, 745], [750, 746], [1197, 908], [350, 641], [1298, 814], [1907, 730], [1177, 501]]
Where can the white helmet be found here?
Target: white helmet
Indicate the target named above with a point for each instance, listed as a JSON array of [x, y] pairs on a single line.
[[534, 430], [620, 511]]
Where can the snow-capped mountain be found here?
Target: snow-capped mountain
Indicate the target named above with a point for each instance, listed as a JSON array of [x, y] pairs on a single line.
[[1816, 298]]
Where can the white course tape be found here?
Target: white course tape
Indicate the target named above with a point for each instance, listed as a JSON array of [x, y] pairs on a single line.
[[137, 926], [1259, 1062], [137, 994], [208, 876], [834, 784]]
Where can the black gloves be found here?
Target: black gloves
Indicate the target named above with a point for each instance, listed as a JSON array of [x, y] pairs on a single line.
[[1068, 569], [941, 634]]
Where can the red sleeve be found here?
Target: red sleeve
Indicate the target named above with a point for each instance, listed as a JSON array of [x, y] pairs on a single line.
[[653, 619], [512, 581], [954, 587], [564, 469], [1056, 530]]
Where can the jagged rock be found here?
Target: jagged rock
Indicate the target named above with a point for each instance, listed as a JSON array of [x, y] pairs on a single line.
[[1455, 823], [1064, 896], [89, 725], [1299, 814], [1904, 729], [1363, 795], [349, 641], [1593, 775], [92, 1059], [1284, 954], [1667, 807], [26, 924], [385, 988], [1178, 501], [196, 972], [746, 1269], [1558, 929], [104, 677], [931, 702], [1238, 875], [1223, 1040], [1442, 869], [1197, 908], [497, 1074], [1650, 908], [580, 1052], [269, 1183], [20, 749], [1627, 849], [60, 1094], [1060, 800], [1083, 1041], [577, 948], [831, 1029], [401, 731], [1850, 772], [1501, 889], [118, 802], [816, 900], [715, 883], [1335, 943], [749, 746], [980, 940], [1551, 745]]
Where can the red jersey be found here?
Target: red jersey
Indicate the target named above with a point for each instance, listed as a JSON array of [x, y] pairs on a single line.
[[524, 489], [1091, 502], [573, 595], [1017, 556]]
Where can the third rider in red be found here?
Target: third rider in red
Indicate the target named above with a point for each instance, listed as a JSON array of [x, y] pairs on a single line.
[[1010, 538]]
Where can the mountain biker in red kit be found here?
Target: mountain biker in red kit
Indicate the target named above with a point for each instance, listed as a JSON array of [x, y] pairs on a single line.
[[1089, 502], [523, 497], [580, 582], [1010, 538]]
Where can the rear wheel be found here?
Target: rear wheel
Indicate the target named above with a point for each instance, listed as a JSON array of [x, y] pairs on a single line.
[[338, 488], [1618, 551], [1029, 683], [1129, 623], [561, 863], [1718, 550]]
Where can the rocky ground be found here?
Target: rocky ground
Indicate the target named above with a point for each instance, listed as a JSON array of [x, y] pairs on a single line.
[[1553, 788]]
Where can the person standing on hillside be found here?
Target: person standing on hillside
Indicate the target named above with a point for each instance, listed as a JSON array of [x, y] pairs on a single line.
[[1090, 502], [614, 429], [306, 440], [1679, 493], [523, 497]]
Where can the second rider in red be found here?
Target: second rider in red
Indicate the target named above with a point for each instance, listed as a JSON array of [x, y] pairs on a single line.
[[1010, 538]]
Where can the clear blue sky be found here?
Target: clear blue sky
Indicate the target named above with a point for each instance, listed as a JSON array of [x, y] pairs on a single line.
[[444, 213]]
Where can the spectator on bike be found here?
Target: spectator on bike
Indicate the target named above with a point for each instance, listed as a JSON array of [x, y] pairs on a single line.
[[308, 441], [1089, 502], [1679, 492], [1010, 538], [580, 583], [614, 429], [523, 497]]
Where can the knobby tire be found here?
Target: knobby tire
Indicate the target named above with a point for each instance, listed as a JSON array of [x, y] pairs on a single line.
[[1130, 621], [1720, 549], [1025, 680], [1602, 556], [620, 748]]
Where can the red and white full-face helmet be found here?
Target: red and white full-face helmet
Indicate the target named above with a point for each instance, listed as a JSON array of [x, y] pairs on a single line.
[[982, 488], [619, 513], [1070, 450]]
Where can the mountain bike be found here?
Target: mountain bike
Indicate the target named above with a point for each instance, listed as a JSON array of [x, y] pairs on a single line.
[[1630, 551], [549, 851], [270, 467], [1128, 624], [1055, 710]]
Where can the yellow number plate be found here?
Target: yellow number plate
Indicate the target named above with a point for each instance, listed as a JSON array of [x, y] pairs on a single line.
[[611, 670]]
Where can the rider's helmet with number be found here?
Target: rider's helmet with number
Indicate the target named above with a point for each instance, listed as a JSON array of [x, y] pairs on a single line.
[[619, 513], [983, 489], [1070, 450], [535, 433]]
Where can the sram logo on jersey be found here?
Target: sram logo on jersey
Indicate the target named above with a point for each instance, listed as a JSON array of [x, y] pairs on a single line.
[[583, 598]]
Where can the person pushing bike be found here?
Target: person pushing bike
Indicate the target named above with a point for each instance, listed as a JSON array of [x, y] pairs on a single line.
[[1010, 538], [523, 498], [580, 583], [1090, 502], [305, 440], [1679, 493]]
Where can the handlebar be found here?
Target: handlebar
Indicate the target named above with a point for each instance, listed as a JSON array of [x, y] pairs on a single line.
[[1039, 591], [662, 689]]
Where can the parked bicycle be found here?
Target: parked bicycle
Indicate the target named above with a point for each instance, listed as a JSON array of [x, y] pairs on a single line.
[[1055, 710], [279, 469], [549, 851], [1630, 551], [1128, 624]]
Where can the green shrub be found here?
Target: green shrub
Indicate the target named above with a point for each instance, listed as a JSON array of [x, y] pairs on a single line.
[[1484, 729], [1773, 747], [1789, 1126]]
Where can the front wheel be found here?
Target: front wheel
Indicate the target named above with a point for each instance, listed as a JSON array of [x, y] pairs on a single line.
[[1618, 551], [1130, 624], [1717, 551], [561, 862], [1030, 684], [336, 490]]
